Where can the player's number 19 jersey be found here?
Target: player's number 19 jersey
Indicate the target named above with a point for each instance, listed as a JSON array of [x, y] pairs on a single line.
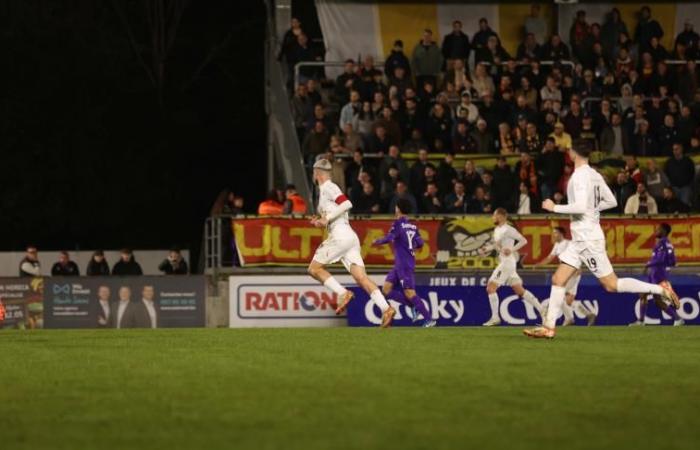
[[587, 184]]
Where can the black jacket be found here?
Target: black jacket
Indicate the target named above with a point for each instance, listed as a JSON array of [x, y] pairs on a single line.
[[680, 172], [179, 268], [123, 268], [397, 59], [456, 46], [95, 269], [69, 270]]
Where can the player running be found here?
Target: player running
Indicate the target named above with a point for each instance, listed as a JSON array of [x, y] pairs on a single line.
[[560, 244], [587, 195], [662, 258], [342, 244], [507, 241], [405, 239]]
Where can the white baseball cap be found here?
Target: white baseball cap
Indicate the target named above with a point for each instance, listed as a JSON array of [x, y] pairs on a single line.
[[323, 164]]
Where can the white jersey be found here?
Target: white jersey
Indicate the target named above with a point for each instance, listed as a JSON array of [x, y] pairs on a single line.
[[505, 237], [588, 195], [559, 247], [330, 196]]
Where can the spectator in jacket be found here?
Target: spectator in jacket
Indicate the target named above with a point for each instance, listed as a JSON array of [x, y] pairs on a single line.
[[98, 266], [536, 26], [64, 267], [479, 203], [623, 189], [647, 28], [462, 141], [550, 165], [430, 201], [680, 170], [271, 206], [641, 202], [346, 82], [126, 265], [174, 264], [302, 108], [455, 45], [483, 138], [30, 266], [294, 203], [644, 142], [316, 142], [397, 58], [456, 201], [655, 180], [669, 204], [427, 60], [614, 140], [366, 201], [668, 135], [555, 50], [482, 36], [350, 109], [402, 193]]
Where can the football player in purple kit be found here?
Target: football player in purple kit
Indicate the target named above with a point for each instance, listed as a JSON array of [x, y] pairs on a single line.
[[400, 283], [662, 258]]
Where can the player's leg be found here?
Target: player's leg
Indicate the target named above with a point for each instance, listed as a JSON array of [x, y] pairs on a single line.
[[568, 310], [492, 292], [556, 299], [358, 273], [577, 306], [420, 305], [319, 273], [329, 252], [643, 302], [670, 310], [527, 296]]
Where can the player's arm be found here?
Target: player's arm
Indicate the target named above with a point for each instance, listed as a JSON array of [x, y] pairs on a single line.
[[418, 240], [344, 205], [390, 236], [607, 198], [520, 240], [547, 260], [669, 255]]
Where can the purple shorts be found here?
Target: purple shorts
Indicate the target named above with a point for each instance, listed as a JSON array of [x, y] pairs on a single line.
[[657, 275], [401, 278]]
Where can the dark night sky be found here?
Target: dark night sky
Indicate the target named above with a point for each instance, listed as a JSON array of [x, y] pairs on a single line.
[[90, 159]]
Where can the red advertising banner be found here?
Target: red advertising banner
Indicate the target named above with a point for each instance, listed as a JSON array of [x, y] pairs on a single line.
[[454, 242], [292, 242]]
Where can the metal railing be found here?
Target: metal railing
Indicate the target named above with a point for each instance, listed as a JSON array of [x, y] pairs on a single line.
[[299, 65]]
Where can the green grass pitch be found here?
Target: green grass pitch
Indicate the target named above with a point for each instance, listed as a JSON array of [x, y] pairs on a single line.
[[443, 388]]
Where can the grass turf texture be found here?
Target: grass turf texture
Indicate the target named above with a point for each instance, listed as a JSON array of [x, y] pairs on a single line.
[[350, 388]]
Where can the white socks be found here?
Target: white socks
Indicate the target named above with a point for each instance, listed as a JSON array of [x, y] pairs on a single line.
[[493, 301], [531, 299], [332, 284], [634, 286], [378, 298], [556, 301]]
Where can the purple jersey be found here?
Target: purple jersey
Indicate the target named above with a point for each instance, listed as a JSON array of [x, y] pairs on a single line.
[[405, 239], [662, 258]]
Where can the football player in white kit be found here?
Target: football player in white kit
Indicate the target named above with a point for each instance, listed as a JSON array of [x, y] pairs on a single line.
[[507, 241], [342, 244], [587, 195], [560, 244]]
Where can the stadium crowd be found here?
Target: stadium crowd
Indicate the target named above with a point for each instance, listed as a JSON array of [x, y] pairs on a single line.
[[623, 93]]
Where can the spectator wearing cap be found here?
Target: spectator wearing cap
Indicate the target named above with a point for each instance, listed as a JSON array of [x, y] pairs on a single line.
[[294, 203], [98, 266], [127, 264], [471, 111], [647, 28], [482, 36], [680, 170], [655, 180], [346, 82], [562, 139], [427, 60], [483, 138], [462, 141], [455, 45], [613, 139], [402, 193], [64, 267], [397, 58], [174, 264], [555, 50]]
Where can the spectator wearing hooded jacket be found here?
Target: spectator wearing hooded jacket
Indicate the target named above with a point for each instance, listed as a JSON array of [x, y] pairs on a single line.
[[427, 60], [126, 265]]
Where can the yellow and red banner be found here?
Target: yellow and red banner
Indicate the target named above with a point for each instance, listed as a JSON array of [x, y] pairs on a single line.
[[454, 242]]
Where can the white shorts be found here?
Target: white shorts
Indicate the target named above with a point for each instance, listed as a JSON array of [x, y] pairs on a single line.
[[505, 275], [345, 249], [590, 253], [572, 284]]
